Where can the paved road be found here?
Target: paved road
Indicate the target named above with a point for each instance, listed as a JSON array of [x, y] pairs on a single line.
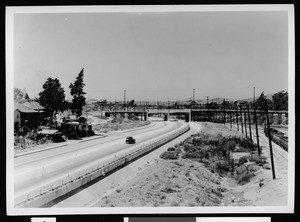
[[31, 172]]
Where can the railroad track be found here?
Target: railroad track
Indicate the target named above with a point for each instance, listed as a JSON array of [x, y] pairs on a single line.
[[278, 152]]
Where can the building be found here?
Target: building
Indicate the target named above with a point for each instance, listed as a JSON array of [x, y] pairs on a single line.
[[23, 112], [33, 105]]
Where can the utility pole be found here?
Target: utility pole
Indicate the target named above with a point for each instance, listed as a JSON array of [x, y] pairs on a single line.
[[193, 95], [245, 121], [241, 119], [224, 113], [230, 117], [249, 121], [115, 108], [207, 102], [237, 118], [257, 137], [124, 98], [270, 144]]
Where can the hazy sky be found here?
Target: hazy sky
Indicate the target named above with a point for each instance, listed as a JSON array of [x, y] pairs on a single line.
[[155, 56]]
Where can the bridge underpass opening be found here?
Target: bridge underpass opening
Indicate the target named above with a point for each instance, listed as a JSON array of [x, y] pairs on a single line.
[[183, 116]]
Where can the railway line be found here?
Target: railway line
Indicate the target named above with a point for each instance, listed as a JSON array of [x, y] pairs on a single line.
[[278, 152]]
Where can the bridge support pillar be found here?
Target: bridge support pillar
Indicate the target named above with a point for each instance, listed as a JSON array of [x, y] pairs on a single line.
[[145, 116], [275, 119], [166, 116], [188, 117]]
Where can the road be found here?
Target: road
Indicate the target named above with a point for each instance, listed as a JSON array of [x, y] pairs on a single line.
[[35, 171]]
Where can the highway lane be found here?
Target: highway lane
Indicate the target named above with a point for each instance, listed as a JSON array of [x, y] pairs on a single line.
[[75, 145], [43, 170]]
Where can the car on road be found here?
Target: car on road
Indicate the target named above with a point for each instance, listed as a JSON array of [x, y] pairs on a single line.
[[130, 140]]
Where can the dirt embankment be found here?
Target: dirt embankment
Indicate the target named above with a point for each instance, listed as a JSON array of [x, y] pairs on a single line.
[[118, 124], [216, 168]]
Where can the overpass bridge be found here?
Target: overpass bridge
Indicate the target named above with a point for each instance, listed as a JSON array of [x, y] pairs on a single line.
[[144, 114], [198, 114]]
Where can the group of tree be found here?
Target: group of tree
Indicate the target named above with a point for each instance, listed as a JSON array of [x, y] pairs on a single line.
[[52, 98], [19, 95], [279, 101]]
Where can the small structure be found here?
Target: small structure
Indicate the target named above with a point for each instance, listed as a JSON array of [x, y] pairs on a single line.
[[34, 105], [22, 113]]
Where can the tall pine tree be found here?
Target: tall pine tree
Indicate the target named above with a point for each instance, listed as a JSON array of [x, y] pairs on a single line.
[[78, 94]]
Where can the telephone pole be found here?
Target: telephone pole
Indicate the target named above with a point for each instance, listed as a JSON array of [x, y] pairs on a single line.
[[255, 119], [207, 102], [193, 95], [124, 97]]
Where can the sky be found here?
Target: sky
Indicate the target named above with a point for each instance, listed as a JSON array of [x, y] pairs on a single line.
[[154, 56]]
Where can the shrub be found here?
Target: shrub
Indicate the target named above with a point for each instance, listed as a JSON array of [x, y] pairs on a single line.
[[189, 155], [190, 148], [230, 145], [171, 149], [243, 160], [168, 155], [246, 143], [205, 161], [222, 166], [197, 141], [222, 142], [258, 160]]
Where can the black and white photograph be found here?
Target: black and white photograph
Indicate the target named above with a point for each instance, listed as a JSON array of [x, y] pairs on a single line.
[[150, 109]]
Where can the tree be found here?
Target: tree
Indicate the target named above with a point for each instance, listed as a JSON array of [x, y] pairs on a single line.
[[263, 102], [67, 105], [26, 97], [131, 103], [225, 105], [18, 94], [213, 105], [78, 94], [52, 97], [280, 100]]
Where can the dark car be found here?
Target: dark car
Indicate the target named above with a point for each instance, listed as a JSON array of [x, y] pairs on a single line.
[[130, 139]]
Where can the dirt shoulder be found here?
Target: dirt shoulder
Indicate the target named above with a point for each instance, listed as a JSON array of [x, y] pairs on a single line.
[[198, 181]]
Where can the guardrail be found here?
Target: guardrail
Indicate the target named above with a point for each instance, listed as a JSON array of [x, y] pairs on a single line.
[[74, 180]]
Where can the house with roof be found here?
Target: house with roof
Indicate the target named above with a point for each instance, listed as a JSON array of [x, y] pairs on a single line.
[[33, 116], [33, 105]]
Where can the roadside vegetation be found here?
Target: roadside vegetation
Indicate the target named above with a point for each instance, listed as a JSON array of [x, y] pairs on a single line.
[[217, 153], [117, 124]]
